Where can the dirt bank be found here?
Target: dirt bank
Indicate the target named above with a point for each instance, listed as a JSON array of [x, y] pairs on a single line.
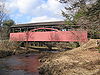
[[84, 60]]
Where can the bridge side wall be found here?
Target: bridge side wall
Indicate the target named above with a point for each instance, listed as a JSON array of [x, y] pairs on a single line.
[[74, 36]]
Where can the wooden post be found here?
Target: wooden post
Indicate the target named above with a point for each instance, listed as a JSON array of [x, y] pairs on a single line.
[[27, 35]]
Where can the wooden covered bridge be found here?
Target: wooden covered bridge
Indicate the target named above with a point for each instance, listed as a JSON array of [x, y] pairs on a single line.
[[47, 32]]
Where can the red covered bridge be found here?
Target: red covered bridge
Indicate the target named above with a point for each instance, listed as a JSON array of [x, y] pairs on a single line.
[[49, 34]]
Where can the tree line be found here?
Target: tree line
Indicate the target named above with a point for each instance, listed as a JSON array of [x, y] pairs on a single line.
[[85, 13]]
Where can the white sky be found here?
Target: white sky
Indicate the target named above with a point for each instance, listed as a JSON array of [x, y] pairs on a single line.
[[26, 11]]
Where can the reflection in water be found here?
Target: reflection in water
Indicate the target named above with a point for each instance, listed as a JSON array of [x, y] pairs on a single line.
[[19, 65]]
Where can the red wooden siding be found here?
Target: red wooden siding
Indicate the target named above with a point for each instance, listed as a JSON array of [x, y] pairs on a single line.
[[50, 36]]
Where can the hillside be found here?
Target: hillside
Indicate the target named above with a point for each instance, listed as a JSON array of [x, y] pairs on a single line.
[[84, 60]]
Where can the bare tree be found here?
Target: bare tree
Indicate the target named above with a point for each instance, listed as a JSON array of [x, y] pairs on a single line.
[[3, 20], [2, 11]]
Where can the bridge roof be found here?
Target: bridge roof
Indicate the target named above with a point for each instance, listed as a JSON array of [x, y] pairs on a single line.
[[41, 24]]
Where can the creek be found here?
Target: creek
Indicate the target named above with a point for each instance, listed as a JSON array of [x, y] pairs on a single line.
[[25, 64]]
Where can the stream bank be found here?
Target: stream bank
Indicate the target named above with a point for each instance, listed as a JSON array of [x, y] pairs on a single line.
[[84, 60]]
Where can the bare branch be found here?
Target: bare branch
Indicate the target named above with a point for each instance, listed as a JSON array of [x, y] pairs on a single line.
[[2, 11]]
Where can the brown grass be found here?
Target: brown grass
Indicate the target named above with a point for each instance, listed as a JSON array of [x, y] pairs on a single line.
[[84, 60], [8, 45]]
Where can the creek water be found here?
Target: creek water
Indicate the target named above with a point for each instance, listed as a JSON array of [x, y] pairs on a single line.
[[20, 65]]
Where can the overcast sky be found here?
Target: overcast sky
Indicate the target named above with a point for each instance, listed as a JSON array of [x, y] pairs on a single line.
[[29, 11]]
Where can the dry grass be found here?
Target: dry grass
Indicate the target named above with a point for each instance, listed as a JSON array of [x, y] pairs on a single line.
[[84, 60], [7, 48], [8, 45]]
